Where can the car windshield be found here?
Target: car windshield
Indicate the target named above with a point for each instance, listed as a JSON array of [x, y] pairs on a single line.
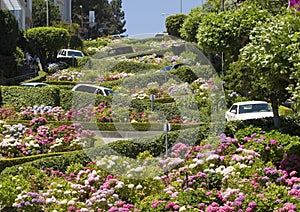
[[109, 92], [253, 108]]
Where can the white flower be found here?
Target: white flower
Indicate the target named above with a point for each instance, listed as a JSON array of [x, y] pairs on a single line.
[[115, 158], [212, 157], [119, 185], [193, 165], [71, 202], [139, 169], [200, 162], [63, 202], [157, 178], [139, 186], [183, 208], [67, 192], [130, 186]]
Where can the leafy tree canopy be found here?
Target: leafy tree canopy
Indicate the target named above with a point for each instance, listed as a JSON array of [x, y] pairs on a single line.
[[39, 13], [46, 41], [8, 32], [272, 58]]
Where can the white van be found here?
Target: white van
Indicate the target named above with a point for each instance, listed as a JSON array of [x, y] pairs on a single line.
[[93, 89], [70, 53]]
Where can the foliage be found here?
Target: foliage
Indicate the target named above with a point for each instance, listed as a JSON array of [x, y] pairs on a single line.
[[174, 23], [39, 13], [185, 74], [189, 28], [235, 176], [229, 31], [9, 32], [273, 71], [132, 67], [22, 96], [109, 17], [47, 40]]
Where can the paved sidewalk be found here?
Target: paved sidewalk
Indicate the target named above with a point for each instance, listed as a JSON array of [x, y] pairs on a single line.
[[110, 136]]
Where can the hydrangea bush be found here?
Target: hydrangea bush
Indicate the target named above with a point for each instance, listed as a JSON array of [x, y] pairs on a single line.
[[19, 140], [222, 174]]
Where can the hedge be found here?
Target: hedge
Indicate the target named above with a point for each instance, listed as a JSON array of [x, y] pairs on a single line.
[[19, 96]]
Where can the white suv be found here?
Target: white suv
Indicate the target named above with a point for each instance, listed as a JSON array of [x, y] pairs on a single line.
[[93, 89], [249, 110]]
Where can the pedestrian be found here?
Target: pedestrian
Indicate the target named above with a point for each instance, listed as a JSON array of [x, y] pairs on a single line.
[[28, 58], [38, 61]]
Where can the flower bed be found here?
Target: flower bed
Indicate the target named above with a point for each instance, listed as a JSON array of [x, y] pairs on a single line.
[[19, 140], [232, 176]]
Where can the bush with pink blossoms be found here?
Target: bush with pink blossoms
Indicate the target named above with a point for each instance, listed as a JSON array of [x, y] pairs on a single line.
[[20, 140], [222, 175]]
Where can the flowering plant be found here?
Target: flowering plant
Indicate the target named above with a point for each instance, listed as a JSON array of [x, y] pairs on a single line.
[[20, 140], [65, 75]]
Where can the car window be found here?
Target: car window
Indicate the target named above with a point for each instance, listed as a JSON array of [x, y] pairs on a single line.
[[253, 108], [75, 54], [233, 109], [99, 91], [109, 92], [85, 88]]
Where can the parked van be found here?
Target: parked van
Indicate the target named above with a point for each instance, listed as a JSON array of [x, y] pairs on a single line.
[[70, 53]]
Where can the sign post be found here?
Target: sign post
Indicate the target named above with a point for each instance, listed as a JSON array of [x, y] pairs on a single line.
[[152, 99], [167, 128]]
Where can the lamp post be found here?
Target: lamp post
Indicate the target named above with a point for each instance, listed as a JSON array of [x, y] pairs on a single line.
[[81, 16], [47, 13], [180, 6], [164, 20]]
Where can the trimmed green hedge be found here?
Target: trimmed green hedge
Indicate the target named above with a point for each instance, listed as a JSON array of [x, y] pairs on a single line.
[[19, 96], [8, 162], [133, 67]]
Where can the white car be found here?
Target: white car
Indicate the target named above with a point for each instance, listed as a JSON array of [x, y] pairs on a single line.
[[249, 110], [93, 89], [70, 53], [34, 84]]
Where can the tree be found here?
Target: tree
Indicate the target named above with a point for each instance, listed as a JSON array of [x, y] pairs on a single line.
[[39, 13], [9, 32], [189, 28], [229, 31], [46, 41], [174, 23], [117, 21], [272, 58], [10, 56], [109, 18]]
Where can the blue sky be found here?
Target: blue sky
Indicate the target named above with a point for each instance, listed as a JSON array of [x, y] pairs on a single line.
[[148, 16]]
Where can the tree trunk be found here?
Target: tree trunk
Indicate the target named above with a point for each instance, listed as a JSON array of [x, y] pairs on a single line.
[[276, 118]]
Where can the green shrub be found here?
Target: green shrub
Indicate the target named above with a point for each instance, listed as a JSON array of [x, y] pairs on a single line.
[[59, 162], [185, 74], [8, 162], [19, 96], [133, 67]]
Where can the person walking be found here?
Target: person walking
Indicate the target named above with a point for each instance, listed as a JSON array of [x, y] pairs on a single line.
[[38, 61], [28, 58]]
